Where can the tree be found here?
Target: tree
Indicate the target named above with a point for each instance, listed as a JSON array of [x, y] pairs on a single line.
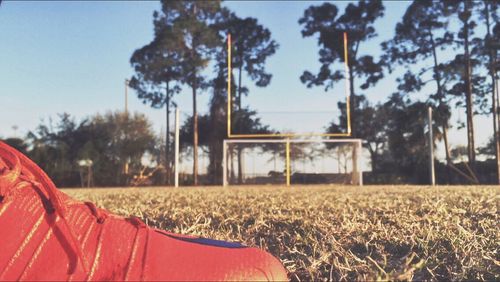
[[423, 31], [469, 83], [55, 148], [489, 149], [108, 140], [358, 22], [371, 122], [192, 20], [128, 138], [17, 143], [251, 46], [488, 13], [180, 51], [407, 131], [465, 33], [158, 75], [212, 133]]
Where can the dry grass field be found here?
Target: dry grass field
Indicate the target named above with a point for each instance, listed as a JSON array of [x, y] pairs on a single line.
[[335, 232]]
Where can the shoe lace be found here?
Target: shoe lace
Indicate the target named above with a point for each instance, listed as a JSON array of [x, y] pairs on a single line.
[[14, 176]]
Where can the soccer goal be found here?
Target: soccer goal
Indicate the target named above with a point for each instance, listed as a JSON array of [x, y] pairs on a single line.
[[292, 161]]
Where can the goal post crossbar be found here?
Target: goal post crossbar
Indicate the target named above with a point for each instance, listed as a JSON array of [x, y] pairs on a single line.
[[357, 149]]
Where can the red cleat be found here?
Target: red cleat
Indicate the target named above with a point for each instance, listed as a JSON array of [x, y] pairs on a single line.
[[46, 235]]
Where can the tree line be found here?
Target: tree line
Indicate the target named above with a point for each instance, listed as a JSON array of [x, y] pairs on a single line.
[[446, 50], [112, 147]]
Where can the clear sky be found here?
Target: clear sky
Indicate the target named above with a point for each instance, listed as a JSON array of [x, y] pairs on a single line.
[[73, 57]]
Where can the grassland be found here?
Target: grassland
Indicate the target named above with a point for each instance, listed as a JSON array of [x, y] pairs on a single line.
[[335, 233]]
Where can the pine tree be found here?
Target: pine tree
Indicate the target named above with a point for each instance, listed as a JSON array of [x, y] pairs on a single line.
[[358, 22], [191, 20]]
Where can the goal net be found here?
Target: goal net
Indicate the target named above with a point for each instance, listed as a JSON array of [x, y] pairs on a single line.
[[291, 161]]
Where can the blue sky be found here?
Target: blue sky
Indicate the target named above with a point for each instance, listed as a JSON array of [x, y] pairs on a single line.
[[74, 57]]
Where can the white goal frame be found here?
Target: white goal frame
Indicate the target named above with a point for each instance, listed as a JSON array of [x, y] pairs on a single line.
[[356, 163]]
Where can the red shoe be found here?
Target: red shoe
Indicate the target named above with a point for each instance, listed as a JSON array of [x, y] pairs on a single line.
[[46, 235]]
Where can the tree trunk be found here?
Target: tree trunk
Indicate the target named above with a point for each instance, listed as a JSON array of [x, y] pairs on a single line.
[[468, 88], [440, 95], [167, 143], [240, 155], [373, 157], [215, 138], [195, 138], [494, 109], [447, 152], [239, 87], [338, 161]]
